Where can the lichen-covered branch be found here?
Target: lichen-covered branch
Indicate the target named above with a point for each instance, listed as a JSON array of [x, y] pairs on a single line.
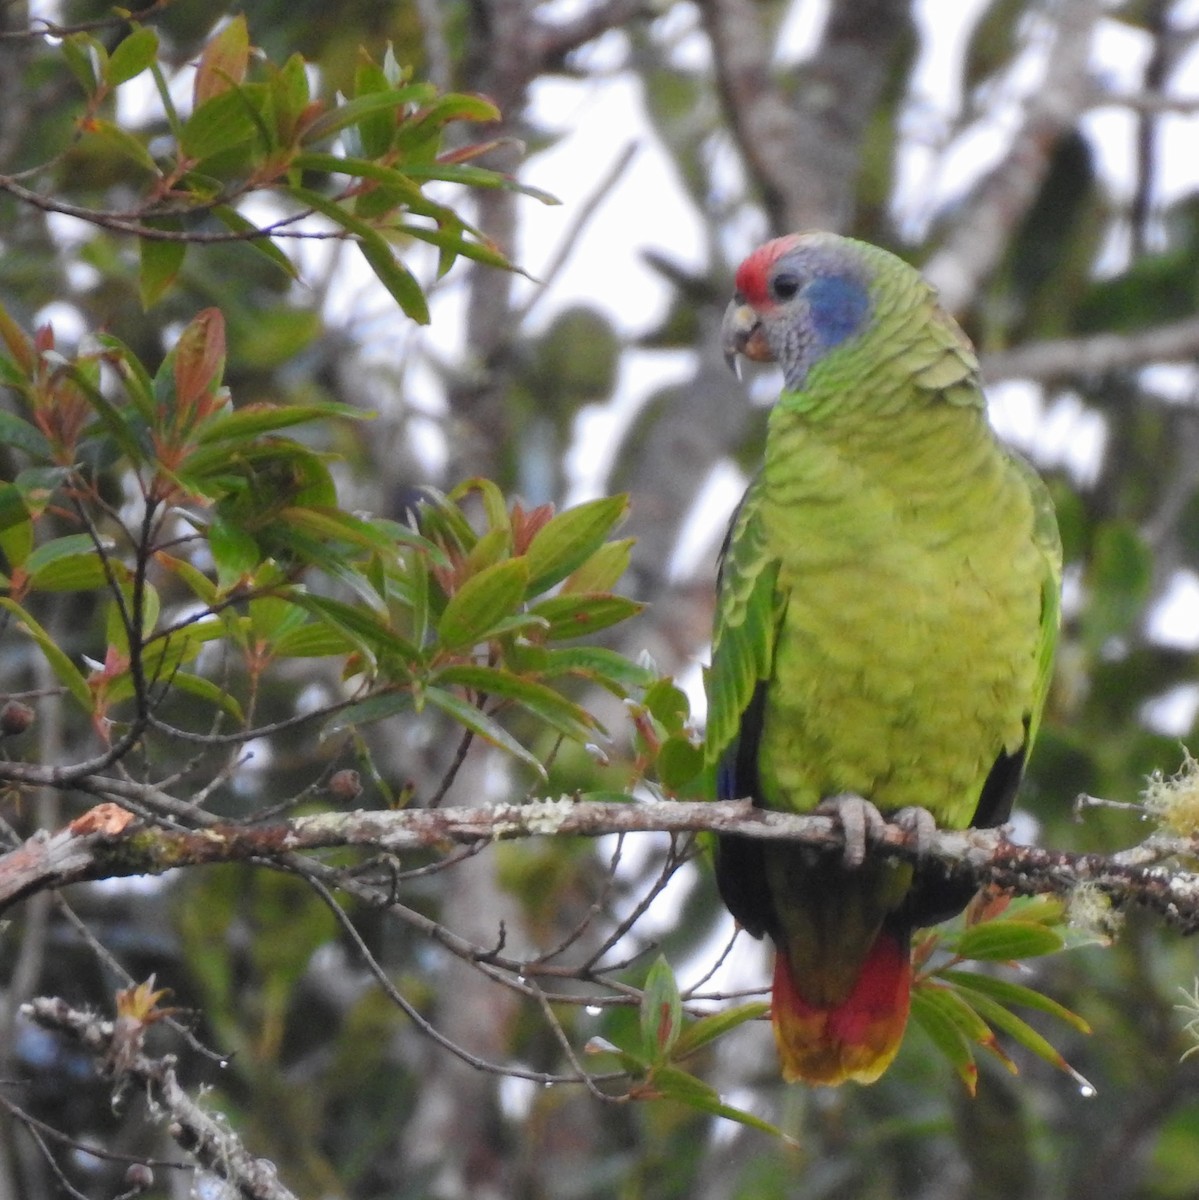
[[107, 842], [117, 1045]]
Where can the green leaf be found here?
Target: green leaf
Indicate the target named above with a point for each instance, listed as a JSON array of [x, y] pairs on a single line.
[[245, 424], [609, 668], [123, 142], [131, 56], [661, 1012], [66, 671], [223, 122], [602, 570], [160, 262], [205, 689], [235, 553], [946, 1035], [482, 602], [668, 704], [378, 707], [70, 564], [555, 710], [679, 762], [353, 111], [1005, 992], [576, 615], [23, 435], [86, 58], [236, 223], [1005, 940], [1019, 1030], [671, 1083], [394, 276], [474, 719], [569, 539], [16, 526], [707, 1029]]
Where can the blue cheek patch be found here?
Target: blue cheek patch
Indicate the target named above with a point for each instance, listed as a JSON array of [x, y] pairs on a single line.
[[839, 306]]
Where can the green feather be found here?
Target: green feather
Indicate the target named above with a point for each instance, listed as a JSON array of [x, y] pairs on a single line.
[[886, 618]]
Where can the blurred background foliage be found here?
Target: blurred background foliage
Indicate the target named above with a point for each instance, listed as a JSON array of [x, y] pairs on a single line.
[[1040, 185]]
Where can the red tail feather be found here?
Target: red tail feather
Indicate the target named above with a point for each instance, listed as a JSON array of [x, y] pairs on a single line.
[[855, 1039]]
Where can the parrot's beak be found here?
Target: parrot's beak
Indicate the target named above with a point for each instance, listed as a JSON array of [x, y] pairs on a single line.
[[741, 333]]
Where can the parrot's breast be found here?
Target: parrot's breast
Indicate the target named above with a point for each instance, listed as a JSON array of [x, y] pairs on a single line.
[[905, 660]]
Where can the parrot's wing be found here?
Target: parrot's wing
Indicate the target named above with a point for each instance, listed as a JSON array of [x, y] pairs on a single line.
[[748, 612], [999, 790], [1049, 542]]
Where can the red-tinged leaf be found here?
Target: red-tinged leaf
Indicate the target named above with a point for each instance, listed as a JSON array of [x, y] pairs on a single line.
[[1018, 1029], [482, 602], [160, 262], [576, 615], [661, 1012], [131, 56], [946, 1036], [223, 62], [474, 719], [199, 357]]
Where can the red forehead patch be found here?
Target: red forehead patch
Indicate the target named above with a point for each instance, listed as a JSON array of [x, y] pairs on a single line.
[[754, 273]]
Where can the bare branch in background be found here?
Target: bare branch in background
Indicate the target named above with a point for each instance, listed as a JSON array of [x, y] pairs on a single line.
[[983, 228], [801, 139], [1079, 358]]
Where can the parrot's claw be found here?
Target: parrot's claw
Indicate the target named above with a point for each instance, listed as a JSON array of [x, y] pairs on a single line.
[[920, 826], [860, 823]]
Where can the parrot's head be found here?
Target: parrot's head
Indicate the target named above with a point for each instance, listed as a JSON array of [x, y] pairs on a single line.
[[798, 297]]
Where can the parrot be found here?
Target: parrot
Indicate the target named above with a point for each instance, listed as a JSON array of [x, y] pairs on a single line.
[[888, 601]]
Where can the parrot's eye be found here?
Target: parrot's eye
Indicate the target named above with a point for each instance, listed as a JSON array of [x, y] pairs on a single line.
[[785, 285]]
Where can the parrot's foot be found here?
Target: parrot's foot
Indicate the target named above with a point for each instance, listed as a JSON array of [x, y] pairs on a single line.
[[860, 823], [920, 826]]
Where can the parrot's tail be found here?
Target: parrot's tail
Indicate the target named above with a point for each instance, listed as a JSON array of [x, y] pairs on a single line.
[[854, 1039]]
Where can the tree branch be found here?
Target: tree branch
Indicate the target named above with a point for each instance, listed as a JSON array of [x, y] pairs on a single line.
[[1090, 356], [107, 842], [118, 1044], [982, 233], [802, 146]]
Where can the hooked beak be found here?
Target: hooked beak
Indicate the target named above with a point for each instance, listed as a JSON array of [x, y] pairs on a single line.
[[741, 333]]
